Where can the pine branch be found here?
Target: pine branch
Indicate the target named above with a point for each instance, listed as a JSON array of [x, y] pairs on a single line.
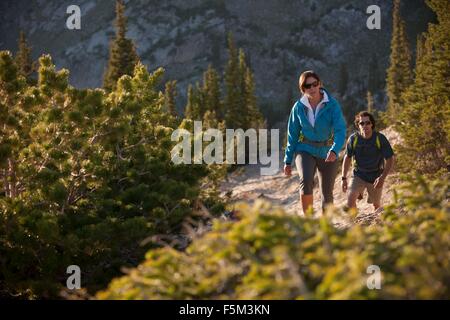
[[135, 145]]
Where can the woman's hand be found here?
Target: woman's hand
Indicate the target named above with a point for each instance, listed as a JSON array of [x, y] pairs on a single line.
[[331, 156], [287, 170]]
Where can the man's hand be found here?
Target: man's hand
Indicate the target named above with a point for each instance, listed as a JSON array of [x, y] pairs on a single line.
[[331, 156], [287, 170], [379, 182], [344, 185]]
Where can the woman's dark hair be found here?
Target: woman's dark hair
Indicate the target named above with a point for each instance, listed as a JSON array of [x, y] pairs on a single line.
[[304, 76], [364, 114]]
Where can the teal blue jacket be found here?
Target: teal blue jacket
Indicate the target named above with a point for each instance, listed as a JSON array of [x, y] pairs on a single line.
[[329, 122]]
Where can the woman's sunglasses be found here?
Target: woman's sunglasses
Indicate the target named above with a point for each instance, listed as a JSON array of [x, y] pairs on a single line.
[[312, 84], [362, 123]]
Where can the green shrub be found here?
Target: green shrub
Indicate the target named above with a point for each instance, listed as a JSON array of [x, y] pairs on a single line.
[[268, 254], [85, 176]]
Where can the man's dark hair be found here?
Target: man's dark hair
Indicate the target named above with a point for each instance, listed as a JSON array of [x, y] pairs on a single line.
[[364, 114]]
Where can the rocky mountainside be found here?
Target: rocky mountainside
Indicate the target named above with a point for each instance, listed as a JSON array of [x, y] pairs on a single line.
[[281, 38]]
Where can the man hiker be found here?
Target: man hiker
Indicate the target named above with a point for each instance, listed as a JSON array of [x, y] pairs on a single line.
[[372, 157]]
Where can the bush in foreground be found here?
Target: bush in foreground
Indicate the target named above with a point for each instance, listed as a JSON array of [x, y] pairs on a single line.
[[268, 254]]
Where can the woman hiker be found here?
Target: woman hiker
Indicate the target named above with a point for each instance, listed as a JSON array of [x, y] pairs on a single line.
[[316, 133]]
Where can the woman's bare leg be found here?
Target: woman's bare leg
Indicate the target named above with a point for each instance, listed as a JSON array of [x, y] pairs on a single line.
[[307, 201]]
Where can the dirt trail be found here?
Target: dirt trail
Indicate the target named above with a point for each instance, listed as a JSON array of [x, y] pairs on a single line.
[[247, 184]]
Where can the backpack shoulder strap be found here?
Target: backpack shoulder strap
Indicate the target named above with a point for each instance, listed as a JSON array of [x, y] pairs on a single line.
[[377, 141], [355, 142]]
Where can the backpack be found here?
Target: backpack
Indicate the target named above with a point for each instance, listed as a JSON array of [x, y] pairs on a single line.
[[377, 144]]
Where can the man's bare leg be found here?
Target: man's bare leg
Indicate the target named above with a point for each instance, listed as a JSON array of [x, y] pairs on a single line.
[[351, 200]]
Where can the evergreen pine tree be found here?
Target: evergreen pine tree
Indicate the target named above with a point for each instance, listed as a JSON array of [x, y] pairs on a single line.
[[370, 107], [122, 53], [232, 101], [420, 47], [200, 97], [256, 119], [244, 113], [170, 94], [11, 89], [399, 75], [23, 57], [425, 119], [192, 107], [240, 100], [211, 89]]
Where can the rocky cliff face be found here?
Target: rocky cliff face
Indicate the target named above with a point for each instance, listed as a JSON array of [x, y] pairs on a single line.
[[281, 38]]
